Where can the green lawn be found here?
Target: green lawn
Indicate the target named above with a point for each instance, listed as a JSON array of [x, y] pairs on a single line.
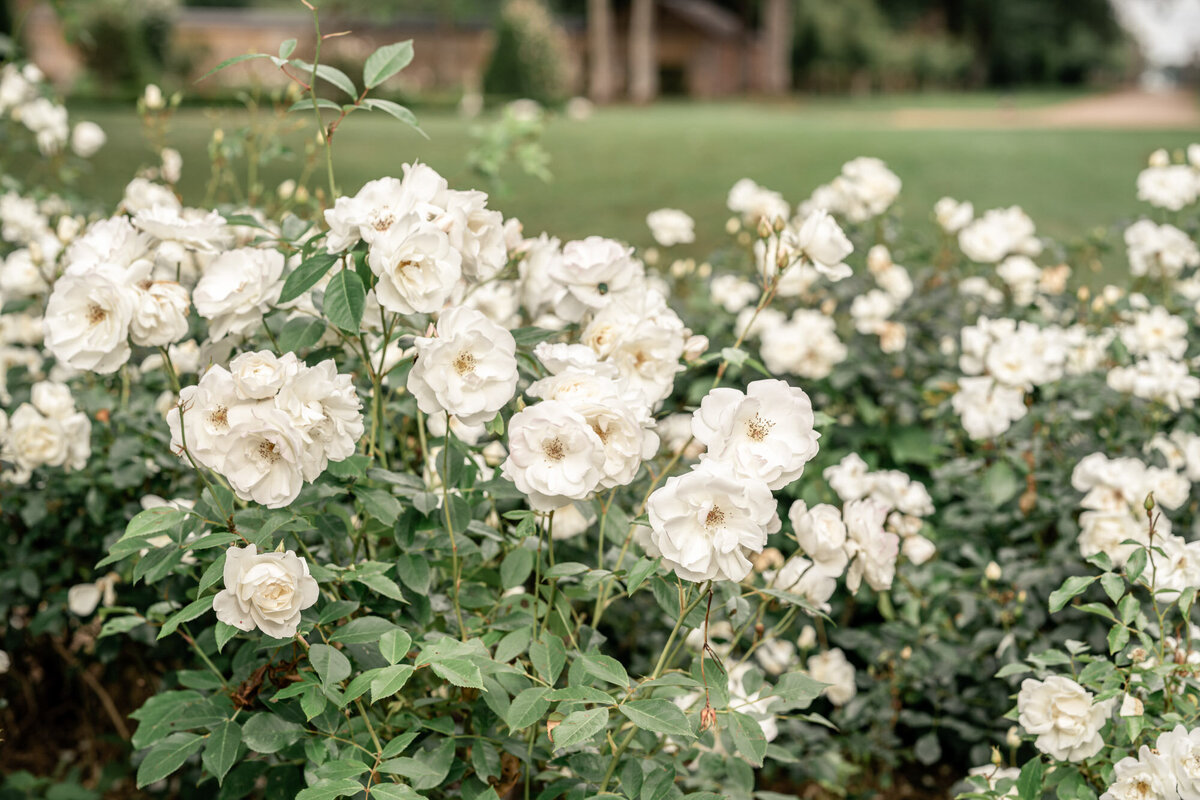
[[611, 170]]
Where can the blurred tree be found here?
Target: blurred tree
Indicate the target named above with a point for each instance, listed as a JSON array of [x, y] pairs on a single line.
[[602, 82], [643, 63], [529, 58], [778, 33]]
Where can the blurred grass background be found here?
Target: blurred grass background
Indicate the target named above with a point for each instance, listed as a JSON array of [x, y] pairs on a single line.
[[610, 170]]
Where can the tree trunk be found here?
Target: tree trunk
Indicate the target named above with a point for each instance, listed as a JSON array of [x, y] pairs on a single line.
[[643, 61], [778, 29], [602, 83]]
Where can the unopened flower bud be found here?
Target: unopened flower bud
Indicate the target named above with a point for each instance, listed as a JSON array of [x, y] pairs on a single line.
[[758, 631], [992, 571], [906, 653], [828, 306], [650, 255], [1160, 158], [1013, 737], [997, 759], [1148, 504], [769, 558], [780, 224], [153, 97], [733, 225], [808, 638], [764, 228], [708, 717]]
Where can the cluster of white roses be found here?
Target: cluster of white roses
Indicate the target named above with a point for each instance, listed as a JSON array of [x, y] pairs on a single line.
[[707, 523], [871, 310], [45, 432], [268, 424], [865, 189], [1168, 771], [1004, 359], [1159, 251], [1164, 184], [905, 504], [22, 98], [1158, 341], [1114, 519], [591, 431], [999, 233]]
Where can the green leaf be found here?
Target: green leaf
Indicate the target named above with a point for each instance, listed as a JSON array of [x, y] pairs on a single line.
[[459, 672], [516, 568], [307, 103], [1029, 783], [362, 630], [527, 708], [659, 716], [928, 749], [1000, 483], [345, 298], [394, 791], [342, 768], [394, 110], [286, 48], [389, 681], [330, 664], [172, 712], [386, 62], [513, 644], [1135, 565], [579, 726], [224, 633], [221, 749], [797, 690], [153, 521], [305, 276], [186, 614], [549, 656], [381, 584], [229, 62], [425, 770], [644, 568], [329, 788], [395, 645], [748, 737], [606, 668], [1114, 585], [1118, 637], [1071, 587], [167, 757], [267, 733], [381, 505], [300, 333]]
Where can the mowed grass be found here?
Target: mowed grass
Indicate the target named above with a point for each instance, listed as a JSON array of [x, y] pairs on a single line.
[[612, 169]]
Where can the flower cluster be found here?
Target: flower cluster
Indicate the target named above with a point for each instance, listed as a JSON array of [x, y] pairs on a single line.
[[1163, 184], [46, 432], [268, 424], [865, 189], [1114, 518], [706, 523], [23, 99]]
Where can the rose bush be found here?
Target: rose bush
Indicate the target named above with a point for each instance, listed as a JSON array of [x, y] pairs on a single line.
[[404, 501]]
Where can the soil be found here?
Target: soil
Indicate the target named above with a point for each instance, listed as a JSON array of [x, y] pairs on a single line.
[[1130, 109]]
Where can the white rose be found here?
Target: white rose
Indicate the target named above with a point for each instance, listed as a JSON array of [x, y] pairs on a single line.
[[52, 399], [416, 265], [262, 374], [87, 138], [1180, 748], [707, 522], [325, 408], [554, 456], [35, 440], [594, 271], [670, 226], [237, 288], [766, 433], [86, 324], [872, 549], [917, 549], [821, 533], [469, 369], [265, 590], [201, 418], [824, 244], [1147, 777], [952, 215], [264, 460], [160, 313], [831, 667], [1062, 715]]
